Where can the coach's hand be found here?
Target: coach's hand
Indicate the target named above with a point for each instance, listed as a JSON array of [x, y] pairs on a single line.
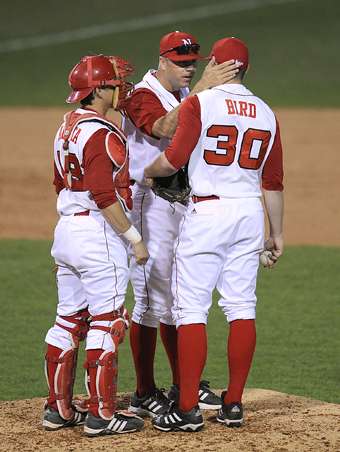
[[141, 253], [216, 74]]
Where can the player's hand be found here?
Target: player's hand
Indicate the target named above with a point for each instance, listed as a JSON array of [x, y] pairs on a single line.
[[216, 74], [275, 245], [140, 252], [147, 182]]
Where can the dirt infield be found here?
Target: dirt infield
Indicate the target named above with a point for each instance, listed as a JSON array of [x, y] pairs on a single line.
[[311, 174], [274, 422]]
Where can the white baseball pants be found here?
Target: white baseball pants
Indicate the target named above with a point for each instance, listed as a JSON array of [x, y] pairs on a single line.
[[92, 272], [158, 222], [218, 246]]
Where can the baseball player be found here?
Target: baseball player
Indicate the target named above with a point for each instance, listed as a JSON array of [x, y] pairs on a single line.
[[157, 212], [92, 183], [231, 141]]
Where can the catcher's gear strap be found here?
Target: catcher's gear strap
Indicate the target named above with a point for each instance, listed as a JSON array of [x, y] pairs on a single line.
[[81, 326], [71, 121], [112, 127], [119, 321], [174, 188], [106, 383], [63, 381], [120, 160]]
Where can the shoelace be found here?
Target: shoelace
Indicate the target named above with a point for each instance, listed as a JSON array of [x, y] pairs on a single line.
[[159, 395], [205, 384]]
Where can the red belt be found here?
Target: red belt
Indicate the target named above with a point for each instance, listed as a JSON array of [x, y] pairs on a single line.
[[204, 198], [85, 213]]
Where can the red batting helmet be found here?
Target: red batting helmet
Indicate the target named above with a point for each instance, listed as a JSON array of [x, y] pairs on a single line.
[[98, 70]]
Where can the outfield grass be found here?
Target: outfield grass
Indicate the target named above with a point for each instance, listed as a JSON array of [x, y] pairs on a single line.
[[293, 46], [298, 328]]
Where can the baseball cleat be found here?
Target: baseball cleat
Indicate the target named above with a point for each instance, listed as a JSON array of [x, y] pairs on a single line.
[[230, 414], [207, 400], [53, 421], [152, 404], [175, 420], [121, 422], [81, 405]]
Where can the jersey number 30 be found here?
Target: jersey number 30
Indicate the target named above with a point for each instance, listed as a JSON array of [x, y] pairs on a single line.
[[245, 160]]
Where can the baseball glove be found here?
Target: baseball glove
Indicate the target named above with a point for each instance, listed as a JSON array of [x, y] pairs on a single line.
[[174, 188]]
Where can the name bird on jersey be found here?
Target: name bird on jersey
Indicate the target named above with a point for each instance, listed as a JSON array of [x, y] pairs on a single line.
[[225, 140]]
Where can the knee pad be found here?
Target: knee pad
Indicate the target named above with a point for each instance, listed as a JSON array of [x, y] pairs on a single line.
[[81, 326], [118, 323]]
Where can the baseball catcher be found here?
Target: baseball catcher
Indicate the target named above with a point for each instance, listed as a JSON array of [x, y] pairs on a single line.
[[92, 183]]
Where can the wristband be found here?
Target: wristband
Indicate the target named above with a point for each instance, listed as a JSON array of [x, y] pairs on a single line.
[[132, 235]]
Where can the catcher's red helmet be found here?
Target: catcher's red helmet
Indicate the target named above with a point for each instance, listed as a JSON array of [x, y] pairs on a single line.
[[98, 70]]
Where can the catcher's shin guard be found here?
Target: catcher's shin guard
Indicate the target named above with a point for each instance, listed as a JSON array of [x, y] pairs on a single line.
[[102, 382], [102, 365], [60, 367]]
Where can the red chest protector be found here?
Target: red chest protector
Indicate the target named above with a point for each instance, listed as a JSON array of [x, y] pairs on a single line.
[[120, 159]]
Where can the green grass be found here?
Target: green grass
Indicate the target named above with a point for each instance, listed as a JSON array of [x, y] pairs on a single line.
[[293, 46], [298, 334]]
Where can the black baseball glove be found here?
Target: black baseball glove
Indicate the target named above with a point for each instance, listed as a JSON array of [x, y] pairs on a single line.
[[174, 188]]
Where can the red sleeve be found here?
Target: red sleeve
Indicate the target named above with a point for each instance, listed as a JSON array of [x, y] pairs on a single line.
[[187, 133], [144, 108], [272, 175], [98, 169], [58, 181]]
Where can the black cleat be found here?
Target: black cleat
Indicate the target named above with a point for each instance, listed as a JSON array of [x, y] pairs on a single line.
[[121, 422], [53, 421], [151, 405], [207, 400], [230, 414], [175, 420]]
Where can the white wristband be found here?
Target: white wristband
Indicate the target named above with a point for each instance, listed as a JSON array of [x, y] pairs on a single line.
[[132, 235]]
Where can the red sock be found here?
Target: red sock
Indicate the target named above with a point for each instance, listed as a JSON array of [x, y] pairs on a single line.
[[241, 347], [52, 354], [93, 355], [143, 345], [169, 339], [192, 354]]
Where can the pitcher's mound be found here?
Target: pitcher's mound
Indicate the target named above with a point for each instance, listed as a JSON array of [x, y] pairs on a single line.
[[273, 422]]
